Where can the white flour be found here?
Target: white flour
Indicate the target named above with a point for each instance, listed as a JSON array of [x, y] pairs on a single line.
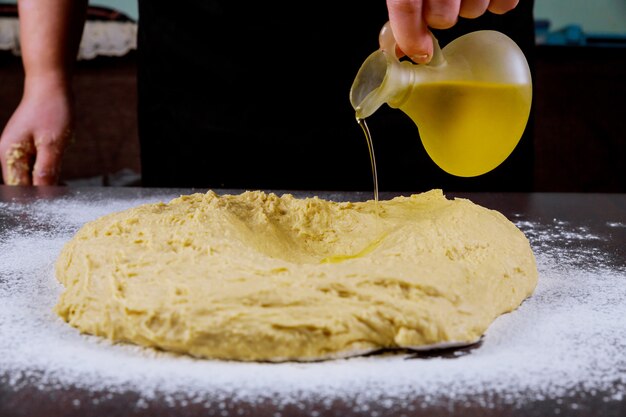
[[568, 338]]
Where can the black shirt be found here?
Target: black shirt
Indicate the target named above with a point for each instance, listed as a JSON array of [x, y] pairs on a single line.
[[256, 96]]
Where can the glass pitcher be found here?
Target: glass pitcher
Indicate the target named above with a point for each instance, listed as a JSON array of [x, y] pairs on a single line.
[[470, 103]]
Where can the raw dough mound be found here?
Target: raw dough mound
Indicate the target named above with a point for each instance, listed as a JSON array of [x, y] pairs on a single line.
[[261, 277]]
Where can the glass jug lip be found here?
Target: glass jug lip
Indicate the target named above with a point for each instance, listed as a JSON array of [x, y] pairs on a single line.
[[379, 80], [369, 79]]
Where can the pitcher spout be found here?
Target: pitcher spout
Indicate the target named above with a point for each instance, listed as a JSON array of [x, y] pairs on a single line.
[[381, 79]]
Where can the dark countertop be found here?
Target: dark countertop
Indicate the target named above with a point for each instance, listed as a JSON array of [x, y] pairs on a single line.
[[603, 215]]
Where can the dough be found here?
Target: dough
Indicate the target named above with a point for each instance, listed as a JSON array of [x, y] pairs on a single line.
[[261, 277], [19, 162]]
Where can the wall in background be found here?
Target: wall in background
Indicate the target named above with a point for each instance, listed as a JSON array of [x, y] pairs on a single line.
[[129, 7], [597, 16], [605, 16], [594, 16]]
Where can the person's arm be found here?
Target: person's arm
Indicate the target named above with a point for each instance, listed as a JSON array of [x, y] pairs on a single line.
[[410, 20], [33, 140]]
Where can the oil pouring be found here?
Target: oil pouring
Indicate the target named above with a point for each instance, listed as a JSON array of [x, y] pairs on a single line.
[[470, 103]]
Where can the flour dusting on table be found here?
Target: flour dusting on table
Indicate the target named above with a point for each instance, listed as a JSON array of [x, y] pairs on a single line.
[[567, 338]]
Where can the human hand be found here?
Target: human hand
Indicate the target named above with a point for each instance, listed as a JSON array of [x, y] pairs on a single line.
[[32, 143], [410, 21]]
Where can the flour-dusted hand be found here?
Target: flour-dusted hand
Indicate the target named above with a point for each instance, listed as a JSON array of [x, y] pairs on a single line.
[[32, 144], [411, 19]]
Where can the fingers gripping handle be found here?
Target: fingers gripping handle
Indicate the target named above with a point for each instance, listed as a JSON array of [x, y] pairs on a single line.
[[388, 45]]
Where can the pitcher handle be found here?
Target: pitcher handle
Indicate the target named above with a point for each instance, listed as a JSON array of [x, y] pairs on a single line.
[[387, 43]]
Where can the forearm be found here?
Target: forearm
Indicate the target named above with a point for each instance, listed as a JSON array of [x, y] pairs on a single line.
[[50, 32], [32, 143]]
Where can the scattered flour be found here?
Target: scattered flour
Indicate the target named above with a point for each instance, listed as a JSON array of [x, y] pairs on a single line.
[[568, 338]]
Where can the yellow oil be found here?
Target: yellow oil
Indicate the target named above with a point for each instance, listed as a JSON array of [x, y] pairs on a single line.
[[469, 128], [335, 259], [370, 148]]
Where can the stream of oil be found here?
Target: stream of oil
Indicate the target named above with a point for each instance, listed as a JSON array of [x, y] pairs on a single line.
[[374, 244], [370, 148]]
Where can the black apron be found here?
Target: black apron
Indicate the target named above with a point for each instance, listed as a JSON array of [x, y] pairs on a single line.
[[256, 96]]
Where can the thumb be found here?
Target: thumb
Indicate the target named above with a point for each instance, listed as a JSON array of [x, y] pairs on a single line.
[[410, 30], [17, 161]]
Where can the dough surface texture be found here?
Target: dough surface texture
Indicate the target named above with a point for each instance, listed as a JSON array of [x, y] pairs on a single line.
[[261, 277]]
